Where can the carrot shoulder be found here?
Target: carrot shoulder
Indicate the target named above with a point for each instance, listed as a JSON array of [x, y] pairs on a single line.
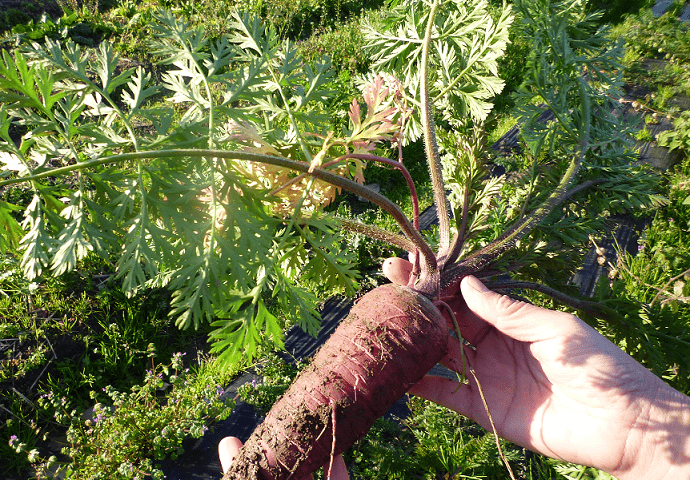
[[392, 337]]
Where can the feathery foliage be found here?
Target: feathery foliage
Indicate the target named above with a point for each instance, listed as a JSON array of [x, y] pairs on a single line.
[[204, 226]]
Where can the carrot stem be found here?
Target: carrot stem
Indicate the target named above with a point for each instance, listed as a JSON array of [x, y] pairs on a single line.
[[430, 143]]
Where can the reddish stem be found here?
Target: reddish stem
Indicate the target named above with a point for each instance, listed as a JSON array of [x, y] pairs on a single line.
[[399, 166], [413, 194], [372, 158]]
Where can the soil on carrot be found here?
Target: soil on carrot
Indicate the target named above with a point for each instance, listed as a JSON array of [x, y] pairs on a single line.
[[369, 362]]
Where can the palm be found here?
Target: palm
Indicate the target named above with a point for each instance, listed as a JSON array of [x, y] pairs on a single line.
[[530, 367]]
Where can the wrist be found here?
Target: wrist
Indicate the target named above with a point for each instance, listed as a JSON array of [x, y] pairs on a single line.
[[659, 442]]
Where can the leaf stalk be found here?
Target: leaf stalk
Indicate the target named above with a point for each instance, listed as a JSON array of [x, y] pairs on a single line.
[[485, 256], [428, 256], [430, 142]]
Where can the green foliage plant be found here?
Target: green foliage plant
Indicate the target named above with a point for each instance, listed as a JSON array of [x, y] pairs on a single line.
[[125, 434], [615, 11], [343, 44], [12, 17], [166, 234], [657, 50], [276, 377], [679, 137], [663, 37], [24, 11], [466, 45], [655, 280], [87, 7], [450, 446], [104, 125], [301, 19], [644, 135], [80, 26], [67, 342]]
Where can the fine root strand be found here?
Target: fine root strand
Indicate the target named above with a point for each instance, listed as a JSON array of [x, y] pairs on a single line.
[[330, 466], [440, 303], [493, 426]]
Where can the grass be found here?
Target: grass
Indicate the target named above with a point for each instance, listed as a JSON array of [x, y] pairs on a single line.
[[79, 338], [503, 125]]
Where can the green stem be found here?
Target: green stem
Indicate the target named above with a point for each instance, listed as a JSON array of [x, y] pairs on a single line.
[[405, 173], [460, 237], [278, 249], [668, 284], [210, 160], [430, 143], [377, 234], [405, 225], [559, 116], [485, 256], [372, 158], [291, 116], [458, 78], [533, 177], [307, 154]]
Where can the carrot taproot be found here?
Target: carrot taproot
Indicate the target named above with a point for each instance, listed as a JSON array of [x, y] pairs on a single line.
[[391, 338]]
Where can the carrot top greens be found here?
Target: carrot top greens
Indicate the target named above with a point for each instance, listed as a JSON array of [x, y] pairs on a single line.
[[213, 183]]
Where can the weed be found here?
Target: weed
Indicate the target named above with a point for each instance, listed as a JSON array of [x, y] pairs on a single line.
[[679, 137], [644, 135], [277, 375], [120, 437], [343, 44], [85, 7], [451, 446], [299, 19], [664, 38], [665, 93], [20, 432], [503, 125]]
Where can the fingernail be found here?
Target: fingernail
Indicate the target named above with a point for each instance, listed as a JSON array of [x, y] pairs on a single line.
[[473, 282]]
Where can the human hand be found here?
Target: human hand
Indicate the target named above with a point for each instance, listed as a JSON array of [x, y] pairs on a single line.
[[230, 446], [556, 386]]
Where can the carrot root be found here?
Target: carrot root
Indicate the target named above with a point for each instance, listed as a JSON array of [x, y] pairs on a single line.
[[392, 337]]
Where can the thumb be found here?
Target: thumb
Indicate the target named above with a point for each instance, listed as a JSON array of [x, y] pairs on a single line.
[[228, 448], [397, 270], [522, 321]]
